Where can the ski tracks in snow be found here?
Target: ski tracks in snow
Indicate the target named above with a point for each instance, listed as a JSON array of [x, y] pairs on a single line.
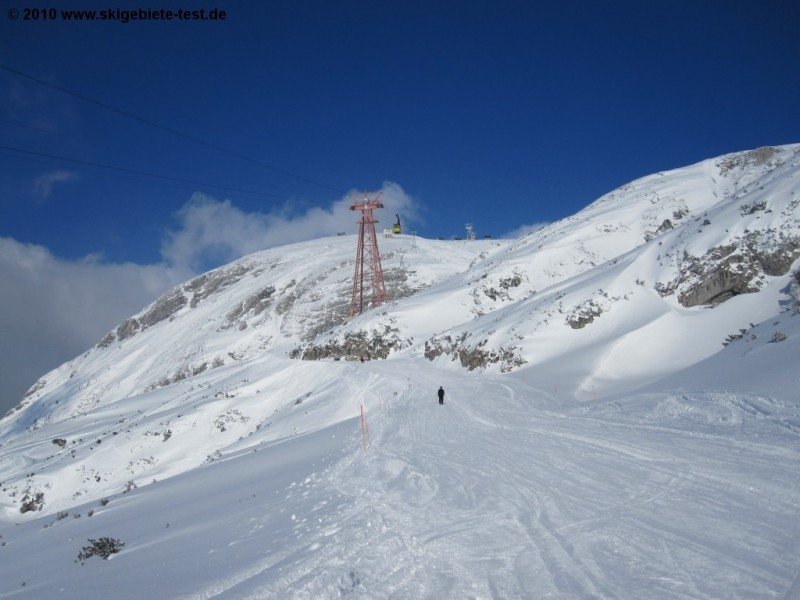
[[494, 496], [440, 510]]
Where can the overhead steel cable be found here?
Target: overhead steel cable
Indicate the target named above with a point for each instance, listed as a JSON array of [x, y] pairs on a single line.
[[138, 172], [170, 130], [97, 171], [95, 146]]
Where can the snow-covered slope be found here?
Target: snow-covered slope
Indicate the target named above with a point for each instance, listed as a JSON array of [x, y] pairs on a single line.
[[634, 272], [220, 424], [504, 492], [647, 280]]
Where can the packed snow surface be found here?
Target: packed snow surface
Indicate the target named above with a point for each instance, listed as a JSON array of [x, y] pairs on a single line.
[[506, 491], [621, 419]]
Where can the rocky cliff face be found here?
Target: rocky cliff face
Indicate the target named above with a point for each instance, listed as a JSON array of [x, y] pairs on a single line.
[[760, 218]]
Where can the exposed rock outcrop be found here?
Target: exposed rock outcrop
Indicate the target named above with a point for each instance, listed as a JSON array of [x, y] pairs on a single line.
[[371, 345], [727, 271], [250, 307], [163, 308], [475, 356]]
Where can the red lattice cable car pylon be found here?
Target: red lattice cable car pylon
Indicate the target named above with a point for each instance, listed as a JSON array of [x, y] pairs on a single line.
[[369, 272]]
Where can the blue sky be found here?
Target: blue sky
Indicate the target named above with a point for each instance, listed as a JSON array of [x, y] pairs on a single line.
[[503, 114]]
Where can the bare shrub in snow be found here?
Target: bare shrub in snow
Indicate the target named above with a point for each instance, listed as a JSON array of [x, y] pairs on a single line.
[[31, 503], [778, 336], [734, 336], [104, 547], [231, 417], [749, 209]]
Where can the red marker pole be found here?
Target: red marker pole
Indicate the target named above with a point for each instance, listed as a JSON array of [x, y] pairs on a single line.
[[364, 430]]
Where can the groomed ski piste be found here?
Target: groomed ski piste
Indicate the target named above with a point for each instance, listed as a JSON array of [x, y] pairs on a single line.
[[617, 449], [503, 492]]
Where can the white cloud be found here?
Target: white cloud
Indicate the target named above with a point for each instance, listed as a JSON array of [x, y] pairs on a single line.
[[44, 184], [213, 232], [53, 309], [525, 230]]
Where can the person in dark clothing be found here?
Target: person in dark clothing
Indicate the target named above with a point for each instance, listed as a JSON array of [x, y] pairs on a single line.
[[441, 395]]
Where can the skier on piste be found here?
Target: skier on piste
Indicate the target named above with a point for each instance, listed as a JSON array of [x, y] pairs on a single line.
[[441, 395]]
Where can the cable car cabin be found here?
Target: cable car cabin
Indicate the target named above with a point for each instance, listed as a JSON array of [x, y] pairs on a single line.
[[396, 227]]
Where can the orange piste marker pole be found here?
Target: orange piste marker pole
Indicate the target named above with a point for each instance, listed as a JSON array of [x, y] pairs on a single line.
[[364, 430]]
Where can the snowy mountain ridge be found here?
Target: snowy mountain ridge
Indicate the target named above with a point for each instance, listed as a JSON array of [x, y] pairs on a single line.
[[674, 281], [648, 251]]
